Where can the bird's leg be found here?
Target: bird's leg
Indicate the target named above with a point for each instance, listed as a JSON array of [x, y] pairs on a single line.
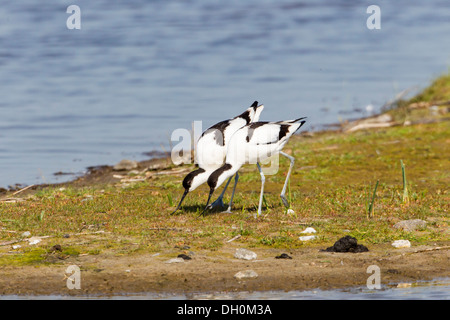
[[282, 195], [263, 180], [236, 178], [219, 201]]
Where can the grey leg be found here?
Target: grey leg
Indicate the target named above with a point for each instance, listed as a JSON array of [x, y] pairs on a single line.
[[263, 180], [236, 178], [283, 192]]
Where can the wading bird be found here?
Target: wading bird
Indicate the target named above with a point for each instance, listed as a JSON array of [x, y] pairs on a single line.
[[211, 151], [254, 143]]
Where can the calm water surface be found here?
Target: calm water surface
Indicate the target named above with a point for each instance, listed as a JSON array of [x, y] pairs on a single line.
[[137, 70], [438, 289]]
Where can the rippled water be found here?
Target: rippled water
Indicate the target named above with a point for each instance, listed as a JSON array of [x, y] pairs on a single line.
[[138, 69]]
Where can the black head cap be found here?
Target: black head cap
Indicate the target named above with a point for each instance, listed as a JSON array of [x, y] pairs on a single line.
[[214, 177], [187, 182]]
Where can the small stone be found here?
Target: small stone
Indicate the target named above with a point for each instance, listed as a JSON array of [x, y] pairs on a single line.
[[411, 225], [247, 274], [401, 244], [56, 247], [175, 260], [244, 254], [306, 238], [184, 256], [125, 165], [283, 256], [309, 230], [26, 234], [33, 240], [16, 246]]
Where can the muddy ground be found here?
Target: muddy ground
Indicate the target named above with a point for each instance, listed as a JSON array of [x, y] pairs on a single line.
[[209, 271]]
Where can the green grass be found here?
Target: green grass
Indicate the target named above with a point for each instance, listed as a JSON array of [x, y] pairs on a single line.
[[438, 91]]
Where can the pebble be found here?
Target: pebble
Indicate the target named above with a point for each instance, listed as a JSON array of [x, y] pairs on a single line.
[[244, 254], [306, 238], [283, 256], [411, 225], [26, 234], [56, 247], [309, 230], [33, 240], [175, 260], [247, 274], [401, 244]]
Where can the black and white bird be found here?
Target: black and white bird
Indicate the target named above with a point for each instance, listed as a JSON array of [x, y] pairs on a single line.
[[212, 149], [253, 143]]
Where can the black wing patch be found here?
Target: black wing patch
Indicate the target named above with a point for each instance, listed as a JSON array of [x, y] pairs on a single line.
[[284, 130], [219, 132], [245, 116]]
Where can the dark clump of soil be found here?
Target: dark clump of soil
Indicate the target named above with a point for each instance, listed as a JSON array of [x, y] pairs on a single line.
[[347, 244], [283, 256]]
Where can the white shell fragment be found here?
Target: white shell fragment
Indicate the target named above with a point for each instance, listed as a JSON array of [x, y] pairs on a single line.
[[244, 254], [34, 240], [306, 238], [401, 244], [309, 230]]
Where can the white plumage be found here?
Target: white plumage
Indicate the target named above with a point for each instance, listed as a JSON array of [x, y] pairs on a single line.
[[253, 143], [212, 148]]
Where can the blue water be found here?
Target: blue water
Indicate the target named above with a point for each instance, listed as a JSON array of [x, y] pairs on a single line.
[[137, 70]]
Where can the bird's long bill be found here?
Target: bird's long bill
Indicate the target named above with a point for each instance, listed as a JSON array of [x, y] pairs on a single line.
[[207, 203], [181, 201]]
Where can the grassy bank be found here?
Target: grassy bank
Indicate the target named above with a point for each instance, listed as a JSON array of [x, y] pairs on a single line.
[[331, 189]]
